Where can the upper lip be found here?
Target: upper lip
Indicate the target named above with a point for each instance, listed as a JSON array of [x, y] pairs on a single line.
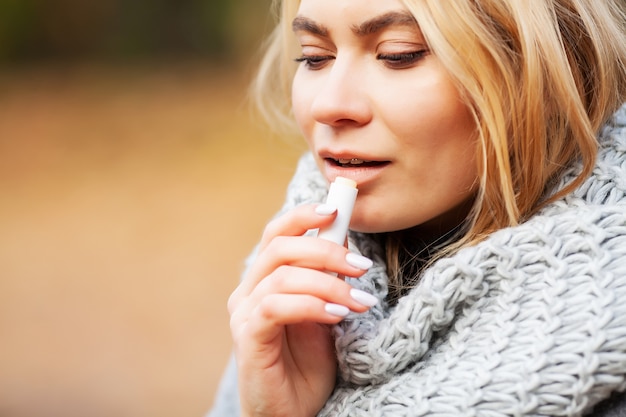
[[347, 156]]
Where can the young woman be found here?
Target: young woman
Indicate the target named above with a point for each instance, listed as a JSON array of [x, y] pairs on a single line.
[[486, 263]]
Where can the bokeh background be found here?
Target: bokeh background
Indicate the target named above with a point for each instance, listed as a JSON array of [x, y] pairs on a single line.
[[134, 180]]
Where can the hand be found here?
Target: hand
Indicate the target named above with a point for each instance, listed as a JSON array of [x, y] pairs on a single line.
[[280, 315]]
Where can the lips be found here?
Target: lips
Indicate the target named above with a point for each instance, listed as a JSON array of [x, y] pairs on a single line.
[[354, 162], [363, 168]]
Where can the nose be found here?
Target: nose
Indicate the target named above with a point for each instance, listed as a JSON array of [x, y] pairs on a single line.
[[342, 97]]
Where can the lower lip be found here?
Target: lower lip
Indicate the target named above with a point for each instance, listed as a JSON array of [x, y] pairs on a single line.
[[358, 173]]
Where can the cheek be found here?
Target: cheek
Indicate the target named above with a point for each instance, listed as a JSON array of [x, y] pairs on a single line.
[[431, 109], [433, 124], [437, 135]]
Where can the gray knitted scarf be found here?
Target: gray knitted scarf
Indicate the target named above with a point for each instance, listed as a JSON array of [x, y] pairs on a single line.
[[530, 322]]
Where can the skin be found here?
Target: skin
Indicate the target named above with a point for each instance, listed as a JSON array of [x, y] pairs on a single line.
[[351, 102], [374, 94]]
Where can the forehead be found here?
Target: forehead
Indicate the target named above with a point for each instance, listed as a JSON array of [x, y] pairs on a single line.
[[364, 17], [348, 9]]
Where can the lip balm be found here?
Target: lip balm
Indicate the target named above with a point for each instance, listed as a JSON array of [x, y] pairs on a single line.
[[341, 194]]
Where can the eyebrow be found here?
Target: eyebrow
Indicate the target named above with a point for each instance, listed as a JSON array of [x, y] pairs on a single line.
[[371, 26], [305, 24], [383, 21]]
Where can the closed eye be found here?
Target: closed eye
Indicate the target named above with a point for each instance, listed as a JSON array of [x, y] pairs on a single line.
[[402, 60], [315, 62]]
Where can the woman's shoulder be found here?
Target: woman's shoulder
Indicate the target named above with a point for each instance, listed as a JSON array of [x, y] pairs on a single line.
[[569, 232]]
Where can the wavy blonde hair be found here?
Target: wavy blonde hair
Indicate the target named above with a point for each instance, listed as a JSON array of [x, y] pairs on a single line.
[[539, 77]]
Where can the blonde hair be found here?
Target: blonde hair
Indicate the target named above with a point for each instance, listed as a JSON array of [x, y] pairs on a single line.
[[539, 77]]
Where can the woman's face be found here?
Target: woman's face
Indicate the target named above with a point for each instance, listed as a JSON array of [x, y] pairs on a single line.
[[376, 106]]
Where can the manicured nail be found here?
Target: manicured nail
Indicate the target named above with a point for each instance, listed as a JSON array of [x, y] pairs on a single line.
[[337, 310], [359, 261], [363, 297], [325, 209]]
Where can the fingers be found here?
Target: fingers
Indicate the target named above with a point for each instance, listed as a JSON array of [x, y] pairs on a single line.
[[305, 252], [295, 295], [283, 244], [289, 281], [302, 281], [298, 280], [298, 221], [278, 310]]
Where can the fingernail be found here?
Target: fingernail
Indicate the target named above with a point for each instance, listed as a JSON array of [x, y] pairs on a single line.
[[325, 209], [359, 261], [363, 297], [337, 309]]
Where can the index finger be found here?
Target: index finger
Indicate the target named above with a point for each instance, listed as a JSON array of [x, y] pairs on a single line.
[[297, 222]]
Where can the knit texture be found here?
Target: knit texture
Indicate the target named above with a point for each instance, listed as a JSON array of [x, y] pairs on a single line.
[[529, 322]]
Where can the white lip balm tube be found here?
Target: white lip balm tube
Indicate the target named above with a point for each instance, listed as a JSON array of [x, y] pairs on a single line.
[[342, 194]]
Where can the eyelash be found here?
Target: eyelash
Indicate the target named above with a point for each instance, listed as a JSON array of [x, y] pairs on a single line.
[[314, 62], [402, 60], [393, 61]]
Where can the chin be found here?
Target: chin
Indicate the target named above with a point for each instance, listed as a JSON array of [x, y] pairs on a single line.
[[370, 227], [357, 226]]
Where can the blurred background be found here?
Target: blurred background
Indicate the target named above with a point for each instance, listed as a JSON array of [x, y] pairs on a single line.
[[134, 180]]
